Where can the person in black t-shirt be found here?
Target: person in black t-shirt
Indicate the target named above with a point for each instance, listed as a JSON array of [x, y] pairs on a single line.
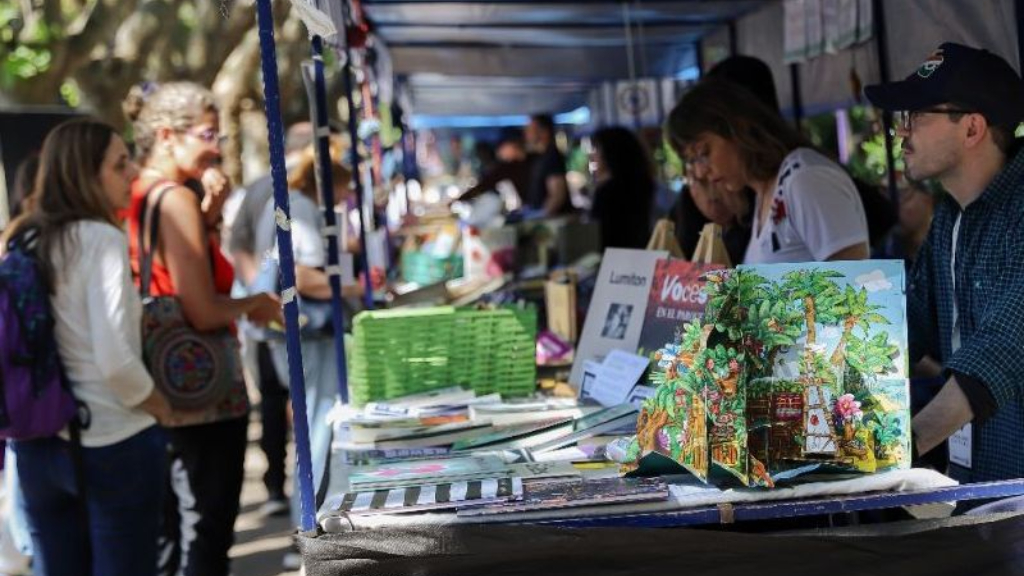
[[625, 189], [547, 188]]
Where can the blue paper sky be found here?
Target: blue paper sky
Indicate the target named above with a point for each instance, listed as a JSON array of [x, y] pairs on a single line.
[[886, 284]]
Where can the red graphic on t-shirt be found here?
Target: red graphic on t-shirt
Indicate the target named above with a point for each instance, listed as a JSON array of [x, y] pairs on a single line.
[[778, 211]]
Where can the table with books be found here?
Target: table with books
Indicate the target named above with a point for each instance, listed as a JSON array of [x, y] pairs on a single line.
[[490, 495], [764, 395]]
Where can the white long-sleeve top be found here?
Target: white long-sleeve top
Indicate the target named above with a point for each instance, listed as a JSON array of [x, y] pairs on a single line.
[[98, 329]]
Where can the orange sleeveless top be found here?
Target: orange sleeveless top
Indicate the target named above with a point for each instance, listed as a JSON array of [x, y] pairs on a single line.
[[162, 284]]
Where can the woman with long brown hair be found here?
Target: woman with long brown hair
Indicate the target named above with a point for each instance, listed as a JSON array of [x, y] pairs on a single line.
[[806, 209], [84, 179], [177, 136]]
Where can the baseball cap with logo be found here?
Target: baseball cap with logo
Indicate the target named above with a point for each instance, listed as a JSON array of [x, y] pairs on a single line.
[[973, 78]]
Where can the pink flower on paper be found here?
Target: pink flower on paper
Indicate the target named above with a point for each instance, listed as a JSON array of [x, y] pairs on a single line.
[[847, 408], [663, 440]]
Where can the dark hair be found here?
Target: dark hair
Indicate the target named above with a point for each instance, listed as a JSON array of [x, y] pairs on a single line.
[[750, 73], [68, 187], [545, 121], [624, 155], [1002, 136], [24, 183], [762, 136], [510, 136]]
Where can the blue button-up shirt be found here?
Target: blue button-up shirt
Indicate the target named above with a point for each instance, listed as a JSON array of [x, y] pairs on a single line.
[[990, 305]]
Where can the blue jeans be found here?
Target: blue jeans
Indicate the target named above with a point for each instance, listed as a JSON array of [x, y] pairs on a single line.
[[16, 523], [320, 368], [124, 485]]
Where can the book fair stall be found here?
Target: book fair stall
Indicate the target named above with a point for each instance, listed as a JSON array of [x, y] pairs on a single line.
[[519, 400]]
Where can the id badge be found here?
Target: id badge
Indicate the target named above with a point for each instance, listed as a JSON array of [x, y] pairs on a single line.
[[960, 445]]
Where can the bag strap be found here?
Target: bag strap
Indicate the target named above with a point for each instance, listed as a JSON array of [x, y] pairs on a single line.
[[80, 422], [149, 214]]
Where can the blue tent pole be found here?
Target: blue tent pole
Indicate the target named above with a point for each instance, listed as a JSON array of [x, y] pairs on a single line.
[[282, 215], [353, 134], [318, 109]]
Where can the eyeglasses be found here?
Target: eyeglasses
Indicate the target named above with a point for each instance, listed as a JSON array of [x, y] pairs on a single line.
[[209, 135], [906, 119], [698, 160]]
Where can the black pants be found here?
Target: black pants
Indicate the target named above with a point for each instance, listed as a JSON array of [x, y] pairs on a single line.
[[206, 472], [274, 418]]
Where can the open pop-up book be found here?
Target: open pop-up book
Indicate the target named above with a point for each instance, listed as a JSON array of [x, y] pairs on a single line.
[[792, 367]]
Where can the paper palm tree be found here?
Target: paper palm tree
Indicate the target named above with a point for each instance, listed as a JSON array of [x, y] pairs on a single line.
[[857, 311], [815, 289], [871, 355]]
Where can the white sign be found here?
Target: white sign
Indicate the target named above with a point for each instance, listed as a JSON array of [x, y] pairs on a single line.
[[814, 33], [846, 24], [617, 376], [617, 309], [865, 20], [637, 102], [794, 32], [318, 23]]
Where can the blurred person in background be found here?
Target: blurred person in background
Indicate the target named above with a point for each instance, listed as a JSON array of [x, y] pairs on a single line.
[[699, 204], [547, 189], [319, 361], [917, 206], [247, 251], [624, 188], [15, 542], [513, 166]]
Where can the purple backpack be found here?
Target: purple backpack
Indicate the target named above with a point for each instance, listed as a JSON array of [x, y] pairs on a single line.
[[36, 400]]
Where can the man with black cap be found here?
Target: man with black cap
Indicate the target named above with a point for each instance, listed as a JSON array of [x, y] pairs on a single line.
[[957, 114]]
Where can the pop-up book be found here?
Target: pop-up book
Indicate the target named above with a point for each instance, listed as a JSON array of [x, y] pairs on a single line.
[[792, 367]]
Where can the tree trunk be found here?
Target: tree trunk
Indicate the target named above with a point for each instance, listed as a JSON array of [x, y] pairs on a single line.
[[232, 86], [810, 315], [840, 352], [89, 29]]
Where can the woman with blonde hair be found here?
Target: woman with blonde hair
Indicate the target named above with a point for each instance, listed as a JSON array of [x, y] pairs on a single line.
[[177, 136], [84, 179], [806, 209]]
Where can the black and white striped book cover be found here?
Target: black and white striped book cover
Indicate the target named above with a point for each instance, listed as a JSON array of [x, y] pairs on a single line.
[[431, 497]]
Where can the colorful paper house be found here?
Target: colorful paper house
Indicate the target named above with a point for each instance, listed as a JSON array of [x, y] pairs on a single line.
[[792, 368]]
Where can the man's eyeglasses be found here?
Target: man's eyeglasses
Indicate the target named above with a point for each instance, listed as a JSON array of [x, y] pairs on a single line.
[[906, 119]]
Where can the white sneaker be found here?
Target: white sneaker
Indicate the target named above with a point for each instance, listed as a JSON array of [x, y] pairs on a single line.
[[292, 561]]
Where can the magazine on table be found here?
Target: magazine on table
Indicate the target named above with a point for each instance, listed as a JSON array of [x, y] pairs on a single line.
[[426, 498], [575, 494], [426, 471]]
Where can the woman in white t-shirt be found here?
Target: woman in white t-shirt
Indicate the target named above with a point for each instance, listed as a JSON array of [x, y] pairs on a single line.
[[319, 360], [84, 179], [807, 207]]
